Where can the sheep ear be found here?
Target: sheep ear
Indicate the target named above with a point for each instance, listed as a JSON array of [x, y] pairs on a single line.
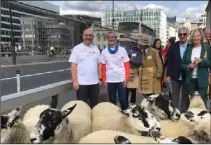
[[121, 140], [68, 111], [15, 112]]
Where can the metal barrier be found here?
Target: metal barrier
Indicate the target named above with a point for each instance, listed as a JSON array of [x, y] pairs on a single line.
[[9, 102]]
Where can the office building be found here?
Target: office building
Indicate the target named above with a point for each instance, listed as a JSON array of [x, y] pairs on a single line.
[[153, 18], [171, 31], [172, 20], [208, 10], [36, 25]]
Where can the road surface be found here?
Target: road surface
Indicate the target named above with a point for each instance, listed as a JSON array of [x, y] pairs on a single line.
[[31, 59], [68, 96], [57, 71]]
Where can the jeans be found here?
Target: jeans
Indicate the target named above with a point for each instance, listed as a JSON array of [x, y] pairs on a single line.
[[88, 94], [194, 86], [133, 95], [112, 88]]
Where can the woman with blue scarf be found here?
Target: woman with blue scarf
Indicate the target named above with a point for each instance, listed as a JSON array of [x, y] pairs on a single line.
[[115, 70]]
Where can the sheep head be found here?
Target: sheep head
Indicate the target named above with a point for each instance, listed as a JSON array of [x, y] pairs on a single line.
[[162, 106], [121, 140], [8, 122], [49, 124], [141, 119]]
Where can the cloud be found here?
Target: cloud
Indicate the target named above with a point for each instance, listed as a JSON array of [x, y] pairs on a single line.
[[96, 8], [192, 12]]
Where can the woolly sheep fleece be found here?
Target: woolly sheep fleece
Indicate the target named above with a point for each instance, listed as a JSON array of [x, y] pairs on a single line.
[[99, 109], [113, 120], [183, 127], [79, 120], [107, 136], [20, 132]]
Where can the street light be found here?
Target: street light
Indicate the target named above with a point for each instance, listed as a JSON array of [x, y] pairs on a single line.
[[113, 14], [12, 36]]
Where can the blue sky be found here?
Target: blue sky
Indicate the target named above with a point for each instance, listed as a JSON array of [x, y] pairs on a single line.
[[181, 9]]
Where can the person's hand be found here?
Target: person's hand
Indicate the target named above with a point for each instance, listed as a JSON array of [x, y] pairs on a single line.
[[105, 84], [191, 65], [75, 85], [124, 83], [100, 82], [168, 79], [197, 60]]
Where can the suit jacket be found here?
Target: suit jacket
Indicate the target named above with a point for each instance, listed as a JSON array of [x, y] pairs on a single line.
[[202, 67], [173, 62]]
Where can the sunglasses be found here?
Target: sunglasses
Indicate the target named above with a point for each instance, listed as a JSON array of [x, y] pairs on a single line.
[[182, 34]]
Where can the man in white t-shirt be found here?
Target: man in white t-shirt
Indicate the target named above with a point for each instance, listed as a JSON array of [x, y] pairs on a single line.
[[85, 69], [115, 70]]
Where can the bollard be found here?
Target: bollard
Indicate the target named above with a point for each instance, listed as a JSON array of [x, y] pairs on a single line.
[[54, 101], [18, 81]]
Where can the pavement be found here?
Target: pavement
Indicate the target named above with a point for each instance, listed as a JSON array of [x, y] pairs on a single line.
[[71, 95], [32, 59], [57, 71]]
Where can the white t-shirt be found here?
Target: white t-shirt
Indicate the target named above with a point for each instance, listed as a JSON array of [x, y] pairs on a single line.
[[87, 59], [115, 70], [196, 53]]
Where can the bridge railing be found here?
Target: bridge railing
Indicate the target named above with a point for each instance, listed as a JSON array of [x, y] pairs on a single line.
[[27, 83], [9, 102]]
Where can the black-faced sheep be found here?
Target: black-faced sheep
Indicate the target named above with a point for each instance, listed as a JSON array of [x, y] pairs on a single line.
[[111, 137], [20, 130], [65, 126], [190, 122], [137, 120], [161, 107]]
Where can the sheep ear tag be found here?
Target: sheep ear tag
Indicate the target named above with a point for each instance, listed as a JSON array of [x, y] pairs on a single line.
[[121, 140], [68, 111], [156, 135]]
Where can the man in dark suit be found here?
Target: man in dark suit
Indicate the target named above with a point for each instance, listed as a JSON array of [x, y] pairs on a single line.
[[174, 72]]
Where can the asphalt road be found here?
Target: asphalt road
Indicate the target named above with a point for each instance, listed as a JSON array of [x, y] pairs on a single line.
[[31, 59], [71, 95], [55, 74]]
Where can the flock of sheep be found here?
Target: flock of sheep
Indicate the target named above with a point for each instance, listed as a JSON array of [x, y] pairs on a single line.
[[155, 120]]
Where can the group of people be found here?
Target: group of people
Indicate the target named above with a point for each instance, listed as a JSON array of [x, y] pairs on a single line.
[[183, 65]]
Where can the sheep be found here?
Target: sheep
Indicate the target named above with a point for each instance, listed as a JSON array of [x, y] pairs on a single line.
[[65, 126], [111, 137], [188, 121], [18, 131], [137, 120], [161, 107]]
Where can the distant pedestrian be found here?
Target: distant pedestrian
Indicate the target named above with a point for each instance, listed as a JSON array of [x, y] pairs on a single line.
[[174, 74], [115, 70], [85, 69]]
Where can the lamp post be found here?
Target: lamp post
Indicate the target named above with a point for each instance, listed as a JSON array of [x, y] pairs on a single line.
[[12, 36], [113, 14]]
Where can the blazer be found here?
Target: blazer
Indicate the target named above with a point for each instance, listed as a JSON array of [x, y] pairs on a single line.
[[174, 62], [203, 67]]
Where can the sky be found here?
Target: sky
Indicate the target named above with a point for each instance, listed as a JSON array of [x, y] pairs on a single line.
[[181, 9]]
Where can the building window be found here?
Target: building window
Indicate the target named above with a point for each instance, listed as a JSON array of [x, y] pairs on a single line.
[[98, 37], [104, 37]]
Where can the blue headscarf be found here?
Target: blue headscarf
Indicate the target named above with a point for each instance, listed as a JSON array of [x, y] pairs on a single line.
[[116, 47]]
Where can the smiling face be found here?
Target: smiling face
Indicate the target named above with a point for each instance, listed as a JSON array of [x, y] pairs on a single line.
[[49, 124], [197, 37]]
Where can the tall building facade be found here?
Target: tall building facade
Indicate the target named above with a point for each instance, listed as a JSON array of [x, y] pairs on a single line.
[[153, 18], [208, 10], [18, 9], [36, 25], [171, 31], [172, 20]]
